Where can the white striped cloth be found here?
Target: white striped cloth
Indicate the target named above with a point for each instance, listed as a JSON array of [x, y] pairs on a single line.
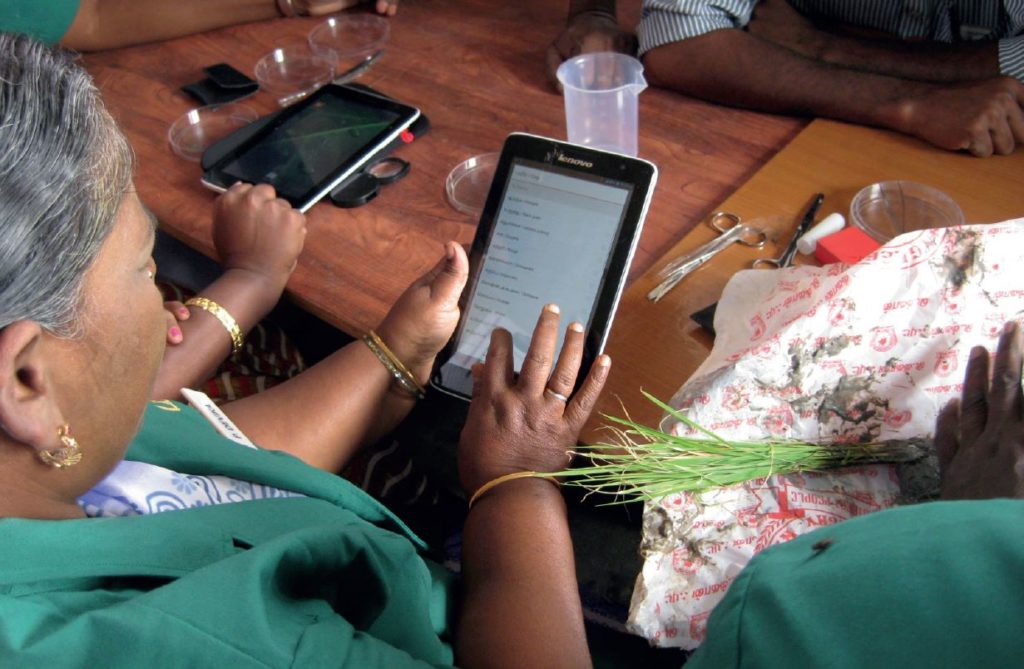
[[665, 21]]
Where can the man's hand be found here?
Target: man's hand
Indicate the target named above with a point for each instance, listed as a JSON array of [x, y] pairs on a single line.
[[980, 438], [982, 117], [588, 32]]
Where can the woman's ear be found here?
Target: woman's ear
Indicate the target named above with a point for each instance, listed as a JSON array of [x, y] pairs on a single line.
[[28, 410]]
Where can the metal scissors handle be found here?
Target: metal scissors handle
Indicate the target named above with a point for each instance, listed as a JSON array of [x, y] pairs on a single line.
[[733, 232], [786, 259]]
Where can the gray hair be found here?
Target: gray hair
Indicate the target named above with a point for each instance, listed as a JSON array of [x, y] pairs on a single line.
[[64, 170]]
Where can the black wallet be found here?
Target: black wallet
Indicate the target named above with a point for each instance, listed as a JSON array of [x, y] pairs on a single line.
[[222, 84]]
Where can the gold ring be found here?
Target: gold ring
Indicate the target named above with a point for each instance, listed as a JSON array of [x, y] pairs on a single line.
[[558, 396]]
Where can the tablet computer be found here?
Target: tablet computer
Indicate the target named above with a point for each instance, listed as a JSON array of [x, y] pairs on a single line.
[[314, 145], [560, 226]]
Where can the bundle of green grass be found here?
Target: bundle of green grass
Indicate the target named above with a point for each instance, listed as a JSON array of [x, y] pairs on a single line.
[[646, 464]]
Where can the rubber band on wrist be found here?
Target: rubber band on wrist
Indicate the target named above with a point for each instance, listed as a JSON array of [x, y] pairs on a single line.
[[400, 372], [494, 483], [225, 318]]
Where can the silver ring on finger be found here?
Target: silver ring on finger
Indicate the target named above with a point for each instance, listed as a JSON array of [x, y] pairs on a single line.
[[558, 396]]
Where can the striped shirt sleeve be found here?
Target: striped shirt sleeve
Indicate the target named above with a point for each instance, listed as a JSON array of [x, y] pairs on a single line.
[[666, 21], [1011, 57]]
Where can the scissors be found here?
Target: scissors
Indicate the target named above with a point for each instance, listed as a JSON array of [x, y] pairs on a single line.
[[786, 259], [733, 232]]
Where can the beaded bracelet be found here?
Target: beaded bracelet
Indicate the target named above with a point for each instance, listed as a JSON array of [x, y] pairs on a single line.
[[391, 362], [222, 315]]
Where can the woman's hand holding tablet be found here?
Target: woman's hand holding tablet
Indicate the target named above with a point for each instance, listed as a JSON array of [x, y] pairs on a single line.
[[560, 226]]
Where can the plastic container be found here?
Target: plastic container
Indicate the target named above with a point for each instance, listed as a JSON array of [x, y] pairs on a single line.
[[601, 91], [349, 40], [889, 208], [194, 131], [290, 73], [469, 182]]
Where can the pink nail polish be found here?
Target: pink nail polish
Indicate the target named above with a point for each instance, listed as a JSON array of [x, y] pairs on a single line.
[[176, 333]]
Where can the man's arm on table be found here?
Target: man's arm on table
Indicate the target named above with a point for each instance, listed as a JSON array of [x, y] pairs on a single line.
[[736, 68], [777, 21]]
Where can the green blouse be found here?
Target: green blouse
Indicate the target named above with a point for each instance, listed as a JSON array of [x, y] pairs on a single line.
[[46, 20], [332, 579]]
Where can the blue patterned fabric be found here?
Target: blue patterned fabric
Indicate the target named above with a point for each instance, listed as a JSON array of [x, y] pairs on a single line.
[[138, 488]]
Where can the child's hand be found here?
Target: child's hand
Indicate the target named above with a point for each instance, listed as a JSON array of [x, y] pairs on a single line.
[[176, 312], [255, 231]]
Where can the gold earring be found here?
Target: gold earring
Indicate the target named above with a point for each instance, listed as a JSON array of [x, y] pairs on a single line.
[[69, 454]]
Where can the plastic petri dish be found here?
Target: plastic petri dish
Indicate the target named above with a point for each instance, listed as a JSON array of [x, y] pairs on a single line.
[[195, 130], [468, 183], [889, 208], [349, 40], [290, 73]]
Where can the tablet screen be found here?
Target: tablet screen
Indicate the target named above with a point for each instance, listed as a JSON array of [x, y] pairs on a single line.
[[552, 242], [307, 147]]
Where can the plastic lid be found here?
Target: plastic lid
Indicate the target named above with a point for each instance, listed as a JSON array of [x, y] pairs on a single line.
[[292, 72], [889, 208], [197, 129], [468, 183], [349, 38]]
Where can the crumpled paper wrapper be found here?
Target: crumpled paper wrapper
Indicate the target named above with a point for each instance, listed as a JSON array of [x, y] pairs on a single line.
[[842, 353]]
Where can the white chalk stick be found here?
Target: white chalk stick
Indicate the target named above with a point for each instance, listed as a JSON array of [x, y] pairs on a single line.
[[830, 224]]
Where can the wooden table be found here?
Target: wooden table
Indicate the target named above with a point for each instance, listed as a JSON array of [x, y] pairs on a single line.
[[476, 69], [655, 346]]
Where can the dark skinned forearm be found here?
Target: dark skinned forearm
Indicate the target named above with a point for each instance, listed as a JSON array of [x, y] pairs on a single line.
[[110, 24], [921, 61], [739, 69], [521, 605]]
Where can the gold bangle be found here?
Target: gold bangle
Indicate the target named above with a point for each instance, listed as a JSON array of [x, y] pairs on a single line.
[[391, 362], [506, 478], [222, 315]]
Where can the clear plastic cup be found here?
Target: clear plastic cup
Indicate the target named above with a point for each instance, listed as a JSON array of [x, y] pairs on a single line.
[[601, 91]]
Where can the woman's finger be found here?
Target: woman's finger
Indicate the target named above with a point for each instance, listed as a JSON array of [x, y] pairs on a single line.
[[582, 403], [174, 334], [177, 309], [448, 277], [563, 379], [947, 441], [974, 399], [1004, 400], [497, 372], [533, 376]]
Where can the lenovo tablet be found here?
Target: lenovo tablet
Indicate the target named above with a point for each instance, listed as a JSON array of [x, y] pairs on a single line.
[[560, 226], [314, 145]]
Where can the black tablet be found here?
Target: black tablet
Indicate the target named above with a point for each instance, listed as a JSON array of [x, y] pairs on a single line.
[[560, 226], [314, 145]]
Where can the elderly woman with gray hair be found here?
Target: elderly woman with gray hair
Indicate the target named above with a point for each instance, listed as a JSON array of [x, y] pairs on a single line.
[[264, 557]]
